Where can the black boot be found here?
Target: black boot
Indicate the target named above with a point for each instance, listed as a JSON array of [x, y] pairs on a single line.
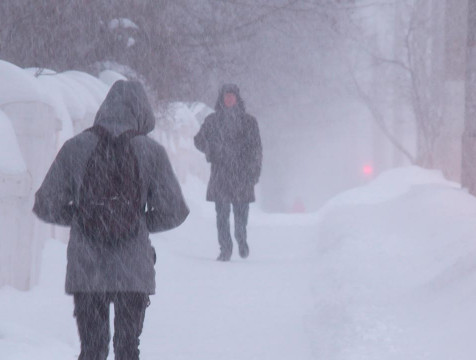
[[244, 249], [224, 256], [241, 219]]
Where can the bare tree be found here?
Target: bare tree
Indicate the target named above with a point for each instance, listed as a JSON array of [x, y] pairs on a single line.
[[412, 71], [174, 44]]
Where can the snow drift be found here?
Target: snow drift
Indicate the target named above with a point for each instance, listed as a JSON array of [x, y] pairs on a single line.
[[395, 273]]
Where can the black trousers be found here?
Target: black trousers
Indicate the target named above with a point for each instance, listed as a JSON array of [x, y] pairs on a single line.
[[92, 316], [240, 212]]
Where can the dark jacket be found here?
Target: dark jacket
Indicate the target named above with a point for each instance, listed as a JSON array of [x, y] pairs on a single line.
[[230, 140], [131, 266]]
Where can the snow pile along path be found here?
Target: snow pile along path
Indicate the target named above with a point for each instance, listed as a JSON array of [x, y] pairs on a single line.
[[396, 274]]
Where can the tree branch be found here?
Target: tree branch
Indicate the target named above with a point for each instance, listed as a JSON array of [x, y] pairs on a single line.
[[379, 119]]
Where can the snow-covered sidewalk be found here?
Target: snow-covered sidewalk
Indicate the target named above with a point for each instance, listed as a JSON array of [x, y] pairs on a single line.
[[203, 309], [244, 309], [385, 271]]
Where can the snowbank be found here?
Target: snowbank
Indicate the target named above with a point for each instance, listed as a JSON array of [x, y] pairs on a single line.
[[396, 270], [11, 160], [74, 96], [389, 185], [49, 82], [77, 98], [15, 187], [18, 85], [178, 127]]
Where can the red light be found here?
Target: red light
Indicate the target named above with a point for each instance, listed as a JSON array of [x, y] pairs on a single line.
[[368, 170]]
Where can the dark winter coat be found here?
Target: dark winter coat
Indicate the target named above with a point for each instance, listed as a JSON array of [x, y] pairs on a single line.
[[93, 268], [230, 140]]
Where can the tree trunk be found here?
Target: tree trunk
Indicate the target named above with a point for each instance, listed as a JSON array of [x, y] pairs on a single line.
[[468, 173]]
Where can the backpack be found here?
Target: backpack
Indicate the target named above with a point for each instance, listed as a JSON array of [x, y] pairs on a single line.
[[110, 207]]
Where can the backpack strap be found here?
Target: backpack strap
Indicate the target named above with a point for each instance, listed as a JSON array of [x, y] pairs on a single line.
[[101, 132], [128, 135]]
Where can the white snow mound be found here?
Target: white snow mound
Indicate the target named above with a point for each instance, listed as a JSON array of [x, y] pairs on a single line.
[[395, 272]]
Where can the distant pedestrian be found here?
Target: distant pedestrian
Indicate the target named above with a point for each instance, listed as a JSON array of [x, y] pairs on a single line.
[[112, 185], [231, 142]]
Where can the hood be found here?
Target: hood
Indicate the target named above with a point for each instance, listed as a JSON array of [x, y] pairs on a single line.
[[229, 88], [126, 107]]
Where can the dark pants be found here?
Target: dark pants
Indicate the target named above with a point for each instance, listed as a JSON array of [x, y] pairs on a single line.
[[240, 212], [92, 316]]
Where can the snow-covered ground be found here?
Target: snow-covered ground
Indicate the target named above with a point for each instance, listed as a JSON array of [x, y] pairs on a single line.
[[395, 271], [386, 271]]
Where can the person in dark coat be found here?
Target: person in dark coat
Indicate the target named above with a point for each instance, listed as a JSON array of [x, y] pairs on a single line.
[[97, 275], [230, 140]]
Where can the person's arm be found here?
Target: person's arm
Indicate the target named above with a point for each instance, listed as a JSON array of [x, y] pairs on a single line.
[[202, 139], [256, 151], [166, 207], [54, 198]]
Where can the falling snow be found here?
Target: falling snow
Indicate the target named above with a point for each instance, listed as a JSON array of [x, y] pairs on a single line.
[[352, 141]]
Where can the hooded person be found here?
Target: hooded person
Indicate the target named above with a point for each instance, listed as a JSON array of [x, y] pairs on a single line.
[[231, 142], [98, 274]]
